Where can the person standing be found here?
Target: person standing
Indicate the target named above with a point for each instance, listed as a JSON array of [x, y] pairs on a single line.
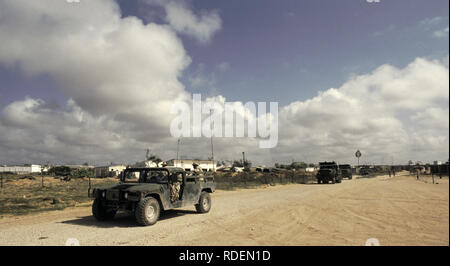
[[175, 188], [197, 169]]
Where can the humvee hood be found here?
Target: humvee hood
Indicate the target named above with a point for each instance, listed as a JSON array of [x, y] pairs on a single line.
[[133, 187]]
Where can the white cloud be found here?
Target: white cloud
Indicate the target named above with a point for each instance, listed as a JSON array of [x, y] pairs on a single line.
[[390, 112], [441, 33], [438, 26], [122, 76], [201, 26], [428, 22], [223, 67], [107, 64]]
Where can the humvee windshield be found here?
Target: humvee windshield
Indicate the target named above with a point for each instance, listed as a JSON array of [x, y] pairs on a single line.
[[145, 176], [327, 166]]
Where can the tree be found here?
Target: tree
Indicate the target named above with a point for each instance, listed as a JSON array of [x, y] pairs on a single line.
[[298, 165], [237, 163], [154, 158], [60, 170], [241, 163]]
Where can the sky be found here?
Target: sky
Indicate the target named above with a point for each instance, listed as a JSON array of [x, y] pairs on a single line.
[[94, 81]]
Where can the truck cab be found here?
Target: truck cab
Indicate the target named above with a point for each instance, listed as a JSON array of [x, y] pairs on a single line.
[[328, 171], [346, 171]]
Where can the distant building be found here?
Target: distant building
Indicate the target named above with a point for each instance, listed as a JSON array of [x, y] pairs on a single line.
[[310, 169], [186, 164], [237, 169], [22, 169], [108, 171], [77, 166]]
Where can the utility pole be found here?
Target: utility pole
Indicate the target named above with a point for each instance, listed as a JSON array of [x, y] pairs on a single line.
[[212, 146], [243, 158], [42, 176], [358, 154]]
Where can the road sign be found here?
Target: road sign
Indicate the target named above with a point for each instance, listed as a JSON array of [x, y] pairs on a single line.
[[358, 154]]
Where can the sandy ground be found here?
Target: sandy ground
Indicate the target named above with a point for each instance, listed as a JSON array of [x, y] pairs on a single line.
[[396, 211]]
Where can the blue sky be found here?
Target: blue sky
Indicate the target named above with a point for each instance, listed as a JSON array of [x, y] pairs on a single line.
[[284, 51], [94, 81], [292, 49]]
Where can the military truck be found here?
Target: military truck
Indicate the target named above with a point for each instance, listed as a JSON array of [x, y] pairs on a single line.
[[365, 170], [328, 171], [146, 191], [346, 171]]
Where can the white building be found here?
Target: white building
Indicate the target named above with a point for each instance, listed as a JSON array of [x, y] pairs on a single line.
[[186, 164], [22, 169], [108, 171]]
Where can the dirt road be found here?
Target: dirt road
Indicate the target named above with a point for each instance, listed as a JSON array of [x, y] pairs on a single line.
[[396, 211]]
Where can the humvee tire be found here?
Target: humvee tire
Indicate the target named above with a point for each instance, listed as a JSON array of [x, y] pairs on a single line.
[[100, 213], [204, 203], [147, 211]]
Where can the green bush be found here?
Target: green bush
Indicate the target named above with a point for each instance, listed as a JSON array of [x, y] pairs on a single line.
[[60, 171], [79, 173]]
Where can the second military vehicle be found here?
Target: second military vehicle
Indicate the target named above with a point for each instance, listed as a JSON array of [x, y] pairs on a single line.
[[346, 171], [328, 171], [365, 170], [149, 190]]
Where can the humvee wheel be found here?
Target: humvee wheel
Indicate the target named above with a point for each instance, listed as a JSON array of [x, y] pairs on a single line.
[[147, 211], [204, 203], [100, 212]]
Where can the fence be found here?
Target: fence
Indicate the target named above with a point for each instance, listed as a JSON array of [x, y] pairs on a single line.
[[246, 179]]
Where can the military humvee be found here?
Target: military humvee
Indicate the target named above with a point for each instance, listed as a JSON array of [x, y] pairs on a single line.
[[146, 192], [365, 170], [346, 171], [328, 171]]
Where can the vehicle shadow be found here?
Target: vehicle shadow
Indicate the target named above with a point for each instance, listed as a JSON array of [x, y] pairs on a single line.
[[124, 219]]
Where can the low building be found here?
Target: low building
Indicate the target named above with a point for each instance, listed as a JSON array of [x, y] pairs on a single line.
[[78, 166], [310, 169], [21, 169], [186, 164], [108, 171]]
